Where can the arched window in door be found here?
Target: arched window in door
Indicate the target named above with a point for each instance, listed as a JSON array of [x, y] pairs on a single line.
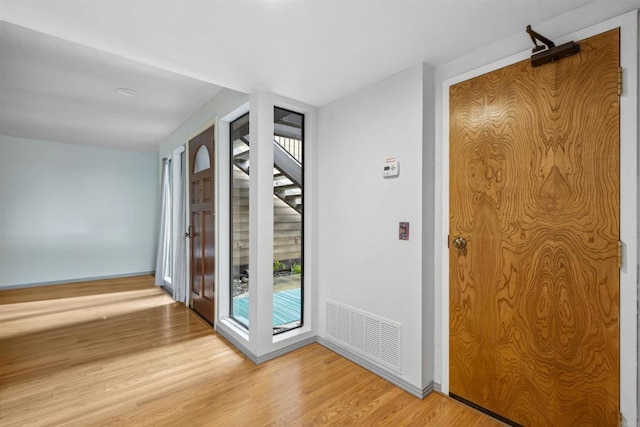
[[202, 161]]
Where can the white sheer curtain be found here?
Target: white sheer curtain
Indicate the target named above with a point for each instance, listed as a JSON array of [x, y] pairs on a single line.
[[164, 242], [179, 226]]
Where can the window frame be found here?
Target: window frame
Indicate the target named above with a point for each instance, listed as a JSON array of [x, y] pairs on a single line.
[[302, 214]]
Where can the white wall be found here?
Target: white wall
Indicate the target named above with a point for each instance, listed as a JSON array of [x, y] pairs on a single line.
[[360, 260], [71, 212]]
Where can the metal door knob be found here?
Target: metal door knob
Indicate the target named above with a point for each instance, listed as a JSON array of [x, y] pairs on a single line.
[[459, 243]]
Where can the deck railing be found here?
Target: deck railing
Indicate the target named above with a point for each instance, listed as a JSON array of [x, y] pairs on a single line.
[[291, 145]]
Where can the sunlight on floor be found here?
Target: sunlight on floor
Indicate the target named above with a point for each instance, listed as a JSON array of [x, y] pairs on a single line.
[[36, 316]]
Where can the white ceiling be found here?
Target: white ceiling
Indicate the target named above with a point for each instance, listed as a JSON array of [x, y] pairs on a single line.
[[311, 51], [56, 90]]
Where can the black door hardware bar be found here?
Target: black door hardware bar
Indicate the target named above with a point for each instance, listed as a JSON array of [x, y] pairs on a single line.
[[548, 51]]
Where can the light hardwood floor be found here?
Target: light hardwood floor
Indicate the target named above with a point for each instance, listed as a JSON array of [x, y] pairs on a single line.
[[122, 352]]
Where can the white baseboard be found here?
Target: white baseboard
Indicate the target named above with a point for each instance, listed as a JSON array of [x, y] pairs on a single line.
[[388, 375], [220, 330], [285, 350], [265, 357]]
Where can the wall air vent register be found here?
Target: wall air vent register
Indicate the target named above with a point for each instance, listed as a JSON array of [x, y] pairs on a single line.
[[373, 337]]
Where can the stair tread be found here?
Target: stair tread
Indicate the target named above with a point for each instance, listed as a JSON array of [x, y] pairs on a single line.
[[286, 187]]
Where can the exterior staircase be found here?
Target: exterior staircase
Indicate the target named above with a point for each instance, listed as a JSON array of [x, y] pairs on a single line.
[[288, 195], [287, 171]]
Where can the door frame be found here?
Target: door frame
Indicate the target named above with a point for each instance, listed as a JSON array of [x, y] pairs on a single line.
[[628, 24], [206, 125]]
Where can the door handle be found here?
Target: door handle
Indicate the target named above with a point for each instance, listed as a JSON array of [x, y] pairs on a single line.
[[459, 243], [189, 232]]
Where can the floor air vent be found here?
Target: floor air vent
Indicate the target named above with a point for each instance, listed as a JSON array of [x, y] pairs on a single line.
[[373, 337]]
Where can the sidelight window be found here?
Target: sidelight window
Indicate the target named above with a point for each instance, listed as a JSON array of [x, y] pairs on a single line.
[[239, 307], [288, 220]]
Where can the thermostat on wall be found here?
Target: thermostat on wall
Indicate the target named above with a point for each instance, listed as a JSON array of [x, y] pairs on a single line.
[[391, 168]]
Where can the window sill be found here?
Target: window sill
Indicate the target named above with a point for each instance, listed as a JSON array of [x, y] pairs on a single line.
[[235, 328], [292, 334]]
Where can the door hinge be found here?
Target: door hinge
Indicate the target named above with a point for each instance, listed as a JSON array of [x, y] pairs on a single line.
[[619, 254], [448, 240], [620, 420], [619, 81]]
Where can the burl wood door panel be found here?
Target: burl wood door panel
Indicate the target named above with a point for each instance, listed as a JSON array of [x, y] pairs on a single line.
[[202, 217], [534, 190]]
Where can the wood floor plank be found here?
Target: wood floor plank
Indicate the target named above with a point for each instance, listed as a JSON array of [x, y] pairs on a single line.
[[122, 352]]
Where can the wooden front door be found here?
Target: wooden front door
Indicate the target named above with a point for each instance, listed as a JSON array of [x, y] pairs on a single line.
[[534, 193], [202, 223]]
